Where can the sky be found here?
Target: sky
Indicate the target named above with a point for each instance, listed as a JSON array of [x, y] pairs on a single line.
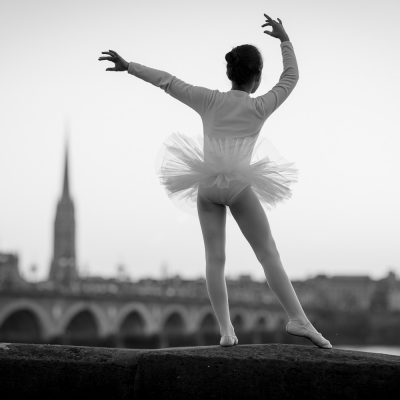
[[339, 126]]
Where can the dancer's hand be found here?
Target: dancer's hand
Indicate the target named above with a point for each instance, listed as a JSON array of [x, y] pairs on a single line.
[[120, 63], [278, 31]]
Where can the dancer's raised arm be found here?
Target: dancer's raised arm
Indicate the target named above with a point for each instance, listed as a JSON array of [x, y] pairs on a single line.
[[197, 97], [270, 101]]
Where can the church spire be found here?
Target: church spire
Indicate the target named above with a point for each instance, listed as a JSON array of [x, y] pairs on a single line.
[[63, 268], [65, 192]]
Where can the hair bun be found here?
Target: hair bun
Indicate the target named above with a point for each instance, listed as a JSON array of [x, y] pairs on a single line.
[[232, 57], [243, 63]]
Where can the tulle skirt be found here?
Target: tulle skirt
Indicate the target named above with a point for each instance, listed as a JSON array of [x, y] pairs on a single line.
[[220, 168]]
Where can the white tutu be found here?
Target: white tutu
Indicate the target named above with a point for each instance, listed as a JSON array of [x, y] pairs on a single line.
[[184, 162]]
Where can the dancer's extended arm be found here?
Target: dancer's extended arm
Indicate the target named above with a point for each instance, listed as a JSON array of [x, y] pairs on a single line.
[[196, 97], [271, 100]]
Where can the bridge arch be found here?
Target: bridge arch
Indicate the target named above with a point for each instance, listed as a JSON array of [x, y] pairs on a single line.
[[130, 308], [44, 320], [242, 319], [175, 317], [99, 314], [206, 314]]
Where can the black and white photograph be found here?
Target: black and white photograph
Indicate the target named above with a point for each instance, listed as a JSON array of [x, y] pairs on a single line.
[[199, 199]]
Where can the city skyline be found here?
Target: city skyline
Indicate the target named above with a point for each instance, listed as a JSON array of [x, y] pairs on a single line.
[[339, 127], [78, 271]]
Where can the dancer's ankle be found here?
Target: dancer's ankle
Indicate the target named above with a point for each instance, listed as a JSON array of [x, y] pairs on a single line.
[[300, 320], [229, 331]]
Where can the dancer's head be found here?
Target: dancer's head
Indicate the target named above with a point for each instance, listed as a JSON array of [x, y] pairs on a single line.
[[244, 67]]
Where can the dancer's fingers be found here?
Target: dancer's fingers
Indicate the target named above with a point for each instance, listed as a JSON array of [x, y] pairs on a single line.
[[279, 21], [114, 53], [111, 69], [266, 16], [106, 58], [267, 23]]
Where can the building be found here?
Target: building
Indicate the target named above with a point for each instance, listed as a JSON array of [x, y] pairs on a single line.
[[71, 307], [63, 268]]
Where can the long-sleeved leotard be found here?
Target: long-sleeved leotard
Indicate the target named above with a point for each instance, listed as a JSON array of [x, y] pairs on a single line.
[[233, 113], [231, 123]]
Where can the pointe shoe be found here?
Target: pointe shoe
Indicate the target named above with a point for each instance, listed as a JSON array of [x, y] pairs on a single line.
[[228, 340], [303, 330]]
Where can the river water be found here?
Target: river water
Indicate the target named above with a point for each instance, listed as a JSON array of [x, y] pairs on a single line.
[[392, 350]]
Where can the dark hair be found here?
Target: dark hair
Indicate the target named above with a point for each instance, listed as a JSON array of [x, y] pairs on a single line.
[[244, 62]]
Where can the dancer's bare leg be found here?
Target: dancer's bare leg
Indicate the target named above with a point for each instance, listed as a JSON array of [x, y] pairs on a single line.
[[252, 220], [212, 218]]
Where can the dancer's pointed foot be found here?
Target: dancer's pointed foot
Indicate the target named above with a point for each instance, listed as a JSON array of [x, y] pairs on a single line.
[[228, 340], [307, 330]]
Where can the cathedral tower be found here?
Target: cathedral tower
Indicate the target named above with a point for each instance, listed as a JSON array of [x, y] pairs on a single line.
[[63, 267]]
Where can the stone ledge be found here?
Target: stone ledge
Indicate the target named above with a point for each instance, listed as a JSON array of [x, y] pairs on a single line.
[[265, 371]]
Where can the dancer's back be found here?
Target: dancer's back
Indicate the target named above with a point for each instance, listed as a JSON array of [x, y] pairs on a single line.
[[227, 114], [232, 121]]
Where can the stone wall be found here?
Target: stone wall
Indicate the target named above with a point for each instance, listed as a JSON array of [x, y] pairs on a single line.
[[265, 371]]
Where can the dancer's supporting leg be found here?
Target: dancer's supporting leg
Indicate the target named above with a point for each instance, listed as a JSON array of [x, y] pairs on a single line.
[[212, 218]]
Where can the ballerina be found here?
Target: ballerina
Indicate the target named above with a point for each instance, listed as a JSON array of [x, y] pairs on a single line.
[[219, 173]]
